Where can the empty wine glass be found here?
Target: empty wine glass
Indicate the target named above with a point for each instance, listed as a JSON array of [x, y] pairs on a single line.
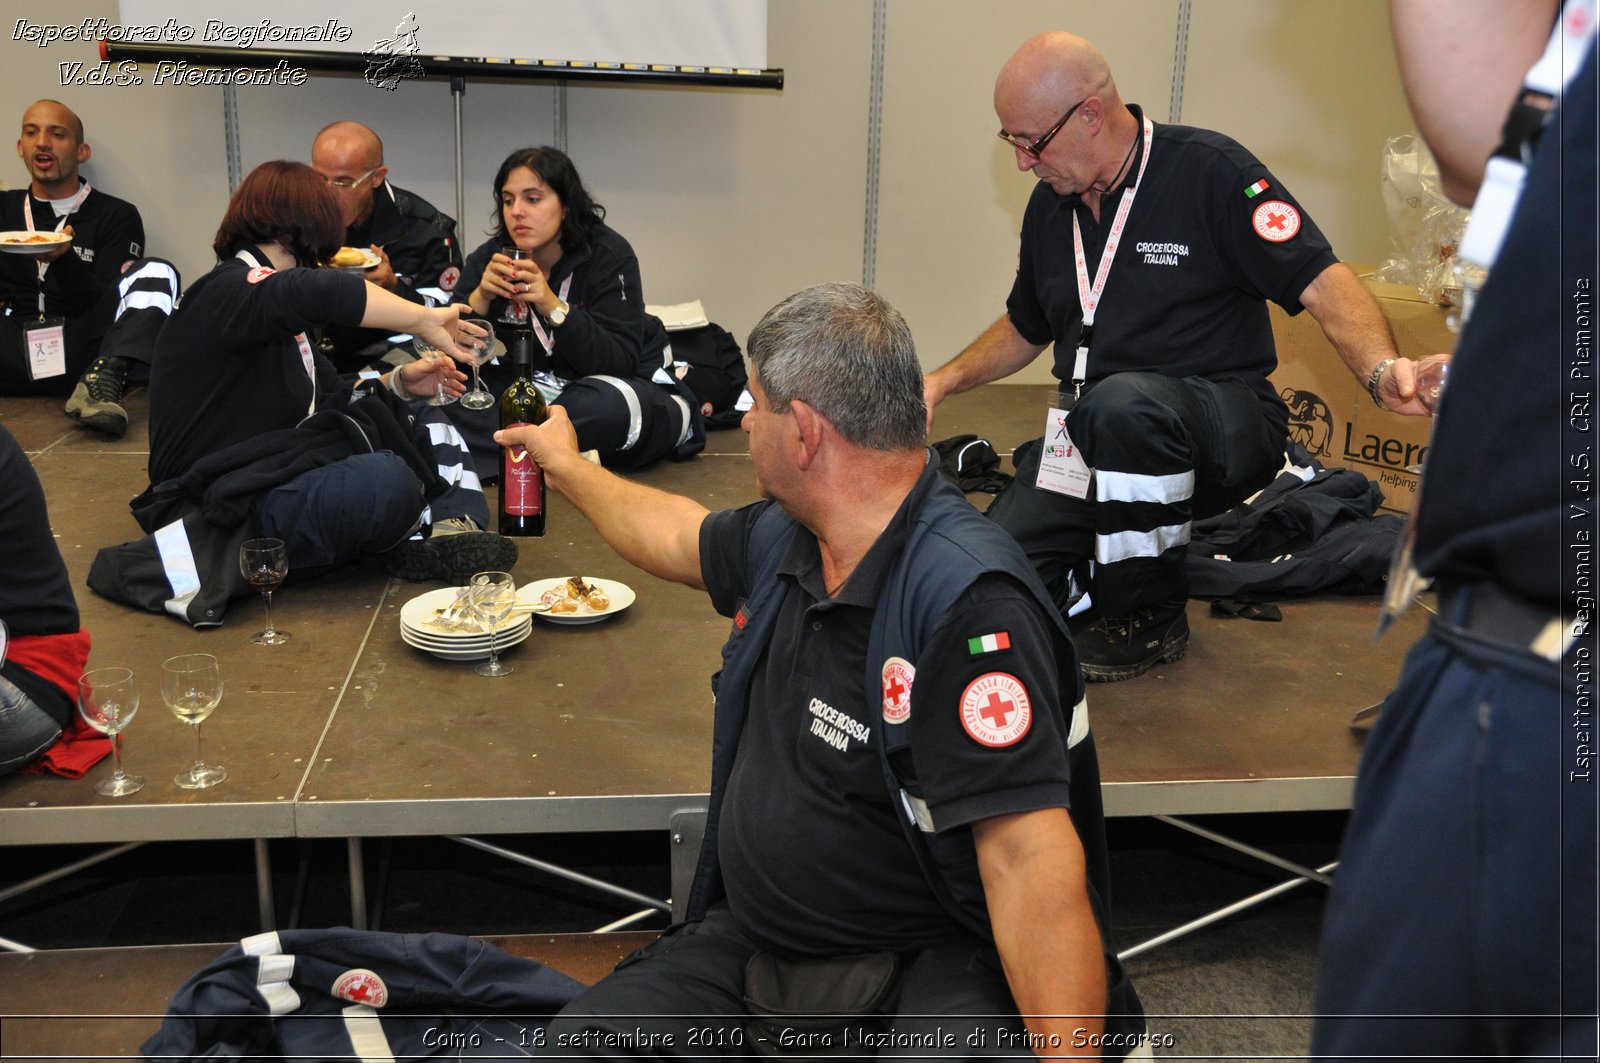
[[493, 596], [107, 700], [424, 349], [191, 685], [479, 350], [264, 564]]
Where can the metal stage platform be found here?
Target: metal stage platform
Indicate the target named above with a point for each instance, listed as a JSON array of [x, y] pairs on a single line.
[[347, 732]]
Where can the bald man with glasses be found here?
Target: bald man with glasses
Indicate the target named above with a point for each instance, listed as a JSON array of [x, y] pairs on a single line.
[[414, 241], [1149, 252]]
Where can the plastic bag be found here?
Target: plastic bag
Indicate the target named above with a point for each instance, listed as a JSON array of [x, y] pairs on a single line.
[[1425, 227]]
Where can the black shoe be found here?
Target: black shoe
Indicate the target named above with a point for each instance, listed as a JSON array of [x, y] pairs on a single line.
[[454, 550], [96, 401], [1121, 647]]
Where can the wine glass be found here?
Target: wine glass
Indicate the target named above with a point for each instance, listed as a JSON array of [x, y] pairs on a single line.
[[493, 595], [265, 563], [424, 349], [479, 350], [191, 685], [107, 700]]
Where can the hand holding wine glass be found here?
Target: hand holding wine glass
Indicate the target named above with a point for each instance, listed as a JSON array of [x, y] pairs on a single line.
[[107, 701], [264, 564], [427, 351], [493, 596], [191, 685]]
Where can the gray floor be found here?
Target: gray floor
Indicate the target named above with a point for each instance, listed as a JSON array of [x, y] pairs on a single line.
[[1240, 989]]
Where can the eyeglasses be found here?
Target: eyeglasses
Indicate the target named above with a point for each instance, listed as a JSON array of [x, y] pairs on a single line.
[[345, 184], [1036, 148]]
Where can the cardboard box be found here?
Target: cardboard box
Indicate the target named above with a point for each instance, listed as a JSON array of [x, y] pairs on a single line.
[[1330, 412]]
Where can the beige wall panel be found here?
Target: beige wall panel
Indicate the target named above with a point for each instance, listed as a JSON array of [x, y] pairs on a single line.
[[1313, 89], [951, 197], [739, 198]]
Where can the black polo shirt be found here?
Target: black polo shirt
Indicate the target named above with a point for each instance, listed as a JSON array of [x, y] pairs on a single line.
[[1204, 248], [812, 853]]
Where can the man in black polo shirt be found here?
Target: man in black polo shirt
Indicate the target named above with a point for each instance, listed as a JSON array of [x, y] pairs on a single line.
[[882, 629], [415, 243], [1162, 344]]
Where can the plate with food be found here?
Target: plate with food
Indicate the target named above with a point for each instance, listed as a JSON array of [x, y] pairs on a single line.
[[362, 258], [574, 599], [27, 242]]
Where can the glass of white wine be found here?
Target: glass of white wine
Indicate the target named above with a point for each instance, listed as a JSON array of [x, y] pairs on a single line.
[[493, 596], [107, 700], [191, 685], [479, 349], [429, 352], [264, 563]]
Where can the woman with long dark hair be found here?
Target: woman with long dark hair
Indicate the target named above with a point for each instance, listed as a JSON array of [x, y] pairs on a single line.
[[575, 285]]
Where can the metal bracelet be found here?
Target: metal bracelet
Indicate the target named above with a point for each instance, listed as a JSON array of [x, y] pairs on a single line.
[[1374, 377]]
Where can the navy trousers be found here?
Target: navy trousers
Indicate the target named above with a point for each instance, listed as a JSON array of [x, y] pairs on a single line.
[[1462, 917], [1166, 452]]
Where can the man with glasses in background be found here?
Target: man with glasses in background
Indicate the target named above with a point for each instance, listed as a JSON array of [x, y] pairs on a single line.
[[1162, 344], [414, 242]]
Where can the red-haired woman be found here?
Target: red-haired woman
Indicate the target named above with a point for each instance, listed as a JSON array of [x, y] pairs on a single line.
[[234, 362]]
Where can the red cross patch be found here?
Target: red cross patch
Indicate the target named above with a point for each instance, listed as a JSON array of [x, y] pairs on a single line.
[[897, 677], [1276, 221], [995, 710], [361, 986], [448, 277], [259, 274]]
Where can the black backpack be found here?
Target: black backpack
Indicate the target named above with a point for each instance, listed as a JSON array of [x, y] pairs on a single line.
[[709, 362]]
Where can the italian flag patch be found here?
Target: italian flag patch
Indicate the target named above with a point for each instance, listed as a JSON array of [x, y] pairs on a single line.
[[1256, 189], [1000, 640]]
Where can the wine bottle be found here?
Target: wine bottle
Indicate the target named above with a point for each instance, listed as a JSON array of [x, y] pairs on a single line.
[[521, 479]]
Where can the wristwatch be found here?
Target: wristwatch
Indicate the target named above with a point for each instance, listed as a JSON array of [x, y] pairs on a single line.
[[559, 314]]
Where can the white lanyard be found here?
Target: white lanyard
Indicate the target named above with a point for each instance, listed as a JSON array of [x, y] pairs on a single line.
[[1089, 297], [1503, 177], [61, 223], [307, 357], [546, 340]]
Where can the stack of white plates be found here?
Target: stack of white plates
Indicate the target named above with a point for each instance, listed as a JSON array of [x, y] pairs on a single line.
[[420, 626]]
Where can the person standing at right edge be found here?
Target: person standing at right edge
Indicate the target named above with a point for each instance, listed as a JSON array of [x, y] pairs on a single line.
[[1157, 310], [1462, 917]]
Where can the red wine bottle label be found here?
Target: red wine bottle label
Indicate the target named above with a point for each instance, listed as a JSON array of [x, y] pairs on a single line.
[[520, 480]]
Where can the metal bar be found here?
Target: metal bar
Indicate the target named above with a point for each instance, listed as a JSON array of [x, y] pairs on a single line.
[[627, 920], [1219, 915], [67, 869], [1248, 850], [230, 135], [283, 63], [269, 914], [562, 872], [869, 237], [558, 118], [7, 945], [1180, 60], [358, 885], [458, 90]]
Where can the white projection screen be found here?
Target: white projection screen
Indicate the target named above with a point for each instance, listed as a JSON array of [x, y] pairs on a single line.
[[703, 33]]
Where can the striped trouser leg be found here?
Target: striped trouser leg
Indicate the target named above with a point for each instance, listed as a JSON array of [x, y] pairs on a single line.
[[1165, 451], [146, 295], [463, 496]]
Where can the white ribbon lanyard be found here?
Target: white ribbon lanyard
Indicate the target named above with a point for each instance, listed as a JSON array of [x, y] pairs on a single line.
[[1089, 296], [546, 340], [61, 223], [307, 357], [1503, 177], [1062, 468]]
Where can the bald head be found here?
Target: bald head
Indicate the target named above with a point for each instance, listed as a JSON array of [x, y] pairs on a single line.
[[350, 157], [1054, 70], [51, 147]]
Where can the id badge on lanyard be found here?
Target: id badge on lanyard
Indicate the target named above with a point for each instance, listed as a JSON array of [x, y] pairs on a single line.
[[46, 338], [1062, 468]]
